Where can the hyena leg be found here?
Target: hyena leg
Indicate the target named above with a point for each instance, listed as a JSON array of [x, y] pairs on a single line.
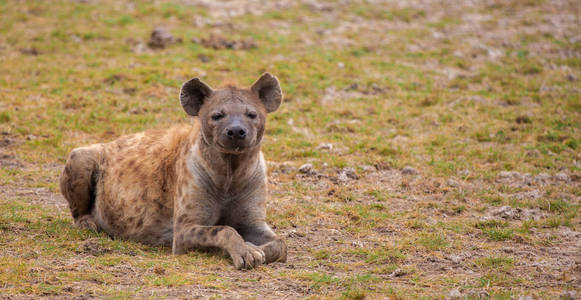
[[261, 235], [78, 182], [244, 255]]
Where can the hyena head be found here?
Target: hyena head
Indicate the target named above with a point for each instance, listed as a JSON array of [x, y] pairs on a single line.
[[232, 119]]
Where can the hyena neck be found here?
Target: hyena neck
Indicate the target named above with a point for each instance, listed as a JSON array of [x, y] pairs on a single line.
[[226, 168]]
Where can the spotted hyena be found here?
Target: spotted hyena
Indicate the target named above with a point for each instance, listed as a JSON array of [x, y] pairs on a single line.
[[188, 187]]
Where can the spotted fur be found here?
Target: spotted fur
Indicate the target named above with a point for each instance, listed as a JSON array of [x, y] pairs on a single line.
[[182, 187]]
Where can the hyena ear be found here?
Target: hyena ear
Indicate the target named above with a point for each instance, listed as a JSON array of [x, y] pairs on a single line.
[[268, 90], [193, 94]]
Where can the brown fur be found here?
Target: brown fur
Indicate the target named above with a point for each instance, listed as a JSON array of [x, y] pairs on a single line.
[[189, 186]]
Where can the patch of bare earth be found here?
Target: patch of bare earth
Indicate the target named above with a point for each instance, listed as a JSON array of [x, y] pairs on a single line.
[[337, 221], [546, 259], [20, 189]]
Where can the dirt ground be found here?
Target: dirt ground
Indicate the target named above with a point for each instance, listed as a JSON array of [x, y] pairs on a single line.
[[426, 149]]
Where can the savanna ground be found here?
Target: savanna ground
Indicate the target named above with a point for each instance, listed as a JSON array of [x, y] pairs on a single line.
[[444, 138]]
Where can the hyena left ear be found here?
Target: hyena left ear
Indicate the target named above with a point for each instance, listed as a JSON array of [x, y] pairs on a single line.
[[268, 90], [193, 94]]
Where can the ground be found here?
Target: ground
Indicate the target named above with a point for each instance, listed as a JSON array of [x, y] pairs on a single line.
[[425, 149]]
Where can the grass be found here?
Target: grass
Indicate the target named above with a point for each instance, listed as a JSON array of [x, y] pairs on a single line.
[[433, 241], [459, 93], [495, 230], [495, 262]]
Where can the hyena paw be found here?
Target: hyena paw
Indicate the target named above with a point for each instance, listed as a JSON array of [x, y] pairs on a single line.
[[248, 256], [275, 251], [87, 222]]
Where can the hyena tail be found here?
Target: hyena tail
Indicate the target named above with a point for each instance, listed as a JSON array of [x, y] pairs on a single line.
[[78, 184]]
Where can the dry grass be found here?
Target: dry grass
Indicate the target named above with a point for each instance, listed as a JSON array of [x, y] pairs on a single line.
[[482, 100]]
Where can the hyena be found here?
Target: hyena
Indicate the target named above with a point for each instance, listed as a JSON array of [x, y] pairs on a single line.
[[187, 187]]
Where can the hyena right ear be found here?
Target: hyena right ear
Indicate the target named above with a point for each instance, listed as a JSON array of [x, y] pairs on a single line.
[[193, 94]]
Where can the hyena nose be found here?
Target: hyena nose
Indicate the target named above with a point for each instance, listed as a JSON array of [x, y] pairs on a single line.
[[236, 132]]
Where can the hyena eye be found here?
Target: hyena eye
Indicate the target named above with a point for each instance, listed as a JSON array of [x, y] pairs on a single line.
[[251, 115], [217, 116]]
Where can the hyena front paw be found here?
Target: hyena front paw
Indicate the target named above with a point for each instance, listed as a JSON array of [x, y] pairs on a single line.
[[275, 251], [248, 256], [87, 222]]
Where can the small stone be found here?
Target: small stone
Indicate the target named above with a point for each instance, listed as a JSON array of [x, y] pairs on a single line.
[[505, 212], [358, 244], [542, 177], [569, 295], [140, 48], [407, 170], [340, 65], [314, 5], [376, 88], [511, 213], [325, 146], [509, 175], [397, 273], [76, 38], [295, 234], [479, 295], [533, 194], [454, 294], [562, 177], [572, 77], [455, 258], [525, 298], [458, 54], [528, 179], [342, 177], [350, 173], [452, 183], [161, 38], [368, 168], [306, 168]]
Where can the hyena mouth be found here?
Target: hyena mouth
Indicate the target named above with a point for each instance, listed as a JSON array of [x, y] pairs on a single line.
[[236, 146], [232, 149]]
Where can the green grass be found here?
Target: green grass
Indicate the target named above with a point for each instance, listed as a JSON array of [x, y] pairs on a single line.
[[433, 241], [448, 91], [495, 230], [497, 234]]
